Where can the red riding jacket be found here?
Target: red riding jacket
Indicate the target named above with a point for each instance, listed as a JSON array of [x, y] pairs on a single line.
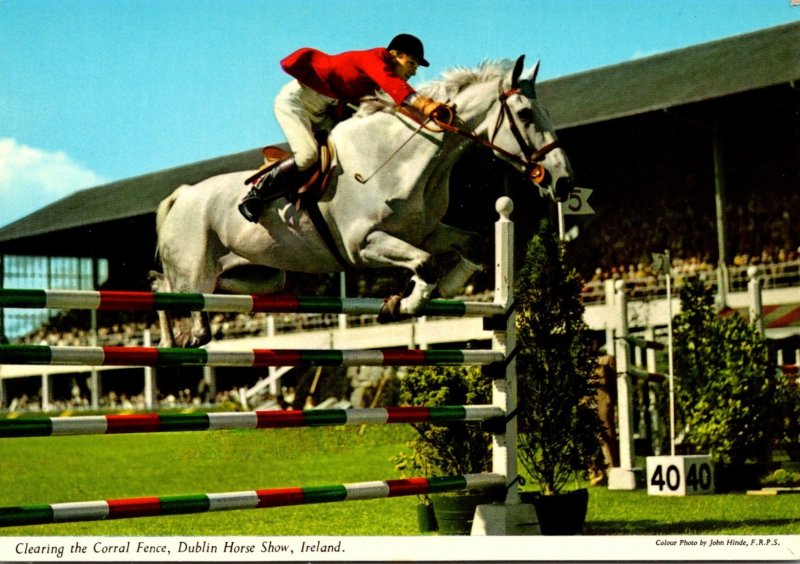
[[347, 76]]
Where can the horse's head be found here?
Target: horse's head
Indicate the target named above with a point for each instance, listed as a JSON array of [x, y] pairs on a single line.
[[501, 108], [519, 130]]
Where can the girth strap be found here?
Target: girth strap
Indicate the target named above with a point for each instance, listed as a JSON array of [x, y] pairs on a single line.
[[309, 202]]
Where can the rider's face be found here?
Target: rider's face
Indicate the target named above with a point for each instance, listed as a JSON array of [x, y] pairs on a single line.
[[405, 66]]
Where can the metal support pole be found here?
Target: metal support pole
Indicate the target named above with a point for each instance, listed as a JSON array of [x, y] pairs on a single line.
[[47, 393], [754, 294], [95, 387], [210, 377], [623, 478], [149, 377], [343, 295], [274, 382], [719, 199]]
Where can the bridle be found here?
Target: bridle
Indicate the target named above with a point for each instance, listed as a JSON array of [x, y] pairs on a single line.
[[532, 156]]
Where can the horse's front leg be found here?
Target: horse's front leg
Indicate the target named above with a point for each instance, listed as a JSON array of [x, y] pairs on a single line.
[[446, 240], [200, 333], [384, 250], [165, 324]]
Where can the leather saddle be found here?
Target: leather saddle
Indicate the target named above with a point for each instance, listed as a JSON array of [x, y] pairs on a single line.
[[312, 187]]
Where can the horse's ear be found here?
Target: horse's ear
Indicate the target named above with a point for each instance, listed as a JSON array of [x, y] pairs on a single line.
[[515, 74], [534, 72]]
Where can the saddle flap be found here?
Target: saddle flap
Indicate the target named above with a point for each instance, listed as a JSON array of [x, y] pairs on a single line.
[[315, 186], [272, 156]]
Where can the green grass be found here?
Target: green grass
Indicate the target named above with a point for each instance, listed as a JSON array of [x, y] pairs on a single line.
[[636, 513], [87, 468]]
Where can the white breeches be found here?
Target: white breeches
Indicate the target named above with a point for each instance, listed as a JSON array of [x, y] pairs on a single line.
[[300, 111]]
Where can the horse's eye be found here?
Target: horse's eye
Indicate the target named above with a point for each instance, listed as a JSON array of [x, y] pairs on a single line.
[[525, 115]]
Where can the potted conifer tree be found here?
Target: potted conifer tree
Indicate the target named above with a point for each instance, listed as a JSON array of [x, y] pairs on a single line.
[[559, 429]]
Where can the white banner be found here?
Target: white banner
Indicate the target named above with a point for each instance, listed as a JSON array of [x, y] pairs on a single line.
[[404, 549]]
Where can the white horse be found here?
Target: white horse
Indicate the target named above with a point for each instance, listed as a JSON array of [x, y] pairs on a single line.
[[383, 207]]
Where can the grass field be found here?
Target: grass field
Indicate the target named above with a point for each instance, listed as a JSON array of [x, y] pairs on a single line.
[[85, 468]]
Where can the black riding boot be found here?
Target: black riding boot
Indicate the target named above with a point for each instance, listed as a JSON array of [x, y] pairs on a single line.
[[271, 185]]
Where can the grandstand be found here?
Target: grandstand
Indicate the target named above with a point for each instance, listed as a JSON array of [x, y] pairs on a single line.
[[695, 150]]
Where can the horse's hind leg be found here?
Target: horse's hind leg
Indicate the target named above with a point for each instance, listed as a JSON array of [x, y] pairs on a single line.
[[382, 249], [200, 333], [158, 283], [193, 278], [467, 245]]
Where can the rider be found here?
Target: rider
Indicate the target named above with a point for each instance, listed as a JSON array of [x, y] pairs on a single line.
[[324, 82]]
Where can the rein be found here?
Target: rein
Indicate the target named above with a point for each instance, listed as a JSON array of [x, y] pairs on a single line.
[[363, 180], [532, 156]]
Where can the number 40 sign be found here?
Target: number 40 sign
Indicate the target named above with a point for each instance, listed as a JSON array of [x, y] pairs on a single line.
[[680, 475]]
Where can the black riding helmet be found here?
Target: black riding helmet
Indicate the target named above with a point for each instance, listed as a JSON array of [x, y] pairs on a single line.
[[410, 45]]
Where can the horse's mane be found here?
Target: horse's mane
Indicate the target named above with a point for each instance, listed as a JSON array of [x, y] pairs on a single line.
[[456, 79], [452, 81]]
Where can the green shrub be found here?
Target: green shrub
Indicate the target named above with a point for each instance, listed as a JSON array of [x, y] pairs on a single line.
[[726, 385], [446, 448], [787, 416], [782, 478]]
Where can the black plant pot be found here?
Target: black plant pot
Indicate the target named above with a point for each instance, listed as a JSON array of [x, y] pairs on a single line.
[[560, 514], [456, 511], [737, 477]]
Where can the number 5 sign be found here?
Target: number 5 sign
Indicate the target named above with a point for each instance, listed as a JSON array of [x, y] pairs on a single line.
[[679, 475], [578, 202]]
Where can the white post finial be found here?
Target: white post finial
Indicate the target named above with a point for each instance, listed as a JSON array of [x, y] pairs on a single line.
[[504, 207]]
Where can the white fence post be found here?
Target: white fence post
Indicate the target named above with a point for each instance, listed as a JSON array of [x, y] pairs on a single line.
[[510, 517]]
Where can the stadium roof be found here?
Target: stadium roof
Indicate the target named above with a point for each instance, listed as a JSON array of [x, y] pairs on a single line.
[[693, 74], [711, 70]]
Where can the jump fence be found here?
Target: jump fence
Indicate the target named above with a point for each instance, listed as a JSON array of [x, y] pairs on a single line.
[[112, 300], [216, 421], [257, 499], [499, 316], [255, 358]]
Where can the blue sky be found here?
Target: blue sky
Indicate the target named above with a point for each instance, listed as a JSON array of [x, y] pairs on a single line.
[[93, 91]]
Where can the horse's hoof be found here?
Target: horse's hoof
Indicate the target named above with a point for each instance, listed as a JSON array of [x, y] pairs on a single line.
[[390, 311], [182, 340], [189, 341]]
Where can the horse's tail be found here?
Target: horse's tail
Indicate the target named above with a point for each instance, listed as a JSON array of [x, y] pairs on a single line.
[[161, 214], [163, 208]]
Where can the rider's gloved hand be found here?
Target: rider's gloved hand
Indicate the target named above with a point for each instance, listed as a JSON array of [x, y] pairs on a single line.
[[433, 108]]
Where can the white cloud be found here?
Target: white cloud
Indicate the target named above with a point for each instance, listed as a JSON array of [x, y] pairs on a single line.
[[31, 178]]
